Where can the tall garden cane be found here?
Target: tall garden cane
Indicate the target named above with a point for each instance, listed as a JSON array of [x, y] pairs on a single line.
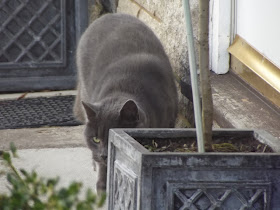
[[204, 135]]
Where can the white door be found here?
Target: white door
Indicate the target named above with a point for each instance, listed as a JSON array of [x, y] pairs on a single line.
[[257, 21]]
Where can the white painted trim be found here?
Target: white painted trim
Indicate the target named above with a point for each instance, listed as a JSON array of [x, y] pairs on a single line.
[[220, 34]]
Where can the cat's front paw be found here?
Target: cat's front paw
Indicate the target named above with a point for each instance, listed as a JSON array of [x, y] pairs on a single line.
[[100, 187]]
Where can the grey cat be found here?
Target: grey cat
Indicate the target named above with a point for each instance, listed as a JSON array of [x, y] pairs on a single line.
[[125, 81]]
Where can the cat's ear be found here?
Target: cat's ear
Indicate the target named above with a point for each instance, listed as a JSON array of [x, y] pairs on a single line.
[[91, 110], [129, 112]]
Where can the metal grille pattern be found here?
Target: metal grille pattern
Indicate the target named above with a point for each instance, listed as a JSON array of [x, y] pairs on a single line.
[[236, 199], [32, 33], [36, 112]]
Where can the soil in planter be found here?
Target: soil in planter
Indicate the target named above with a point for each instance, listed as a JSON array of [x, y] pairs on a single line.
[[221, 144]]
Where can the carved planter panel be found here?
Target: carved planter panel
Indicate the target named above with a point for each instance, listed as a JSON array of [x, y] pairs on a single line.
[[216, 195], [139, 179], [124, 188]]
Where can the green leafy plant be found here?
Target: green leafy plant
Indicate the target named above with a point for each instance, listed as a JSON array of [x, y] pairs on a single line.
[[29, 191]]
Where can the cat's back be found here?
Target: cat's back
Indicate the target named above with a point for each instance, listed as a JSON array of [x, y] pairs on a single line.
[[114, 36], [118, 28]]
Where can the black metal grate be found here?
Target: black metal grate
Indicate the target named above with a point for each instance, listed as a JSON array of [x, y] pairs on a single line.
[[37, 112], [32, 33]]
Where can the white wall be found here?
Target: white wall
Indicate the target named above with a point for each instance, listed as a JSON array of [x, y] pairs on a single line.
[[258, 23]]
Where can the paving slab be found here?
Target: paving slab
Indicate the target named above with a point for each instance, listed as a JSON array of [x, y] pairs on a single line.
[[70, 164], [45, 137]]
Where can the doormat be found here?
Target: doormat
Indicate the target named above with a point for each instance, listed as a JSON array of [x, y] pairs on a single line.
[[37, 112]]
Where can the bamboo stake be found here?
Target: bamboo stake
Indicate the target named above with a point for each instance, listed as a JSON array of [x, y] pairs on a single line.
[[195, 90], [206, 93]]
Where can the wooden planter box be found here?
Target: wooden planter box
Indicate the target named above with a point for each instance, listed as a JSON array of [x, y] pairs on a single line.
[[139, 179]]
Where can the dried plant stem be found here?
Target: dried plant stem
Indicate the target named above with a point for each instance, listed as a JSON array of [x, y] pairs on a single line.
[[147, 11]]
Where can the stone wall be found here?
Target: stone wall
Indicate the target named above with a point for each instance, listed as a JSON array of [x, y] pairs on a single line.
[[166, 18]]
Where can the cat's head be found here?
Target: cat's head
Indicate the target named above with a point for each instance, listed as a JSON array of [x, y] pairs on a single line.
[[105, 115]]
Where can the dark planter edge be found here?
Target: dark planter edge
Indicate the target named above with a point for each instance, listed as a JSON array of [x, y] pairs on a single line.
[[261, 135], [153, 161], [137, 152]]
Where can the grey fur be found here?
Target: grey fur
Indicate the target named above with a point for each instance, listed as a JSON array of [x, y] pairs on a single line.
[[125, 80]]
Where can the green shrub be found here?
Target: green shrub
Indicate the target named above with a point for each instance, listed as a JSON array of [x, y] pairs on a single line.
[[29, 191]]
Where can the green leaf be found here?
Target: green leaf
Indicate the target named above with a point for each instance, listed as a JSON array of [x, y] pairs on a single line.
[[13, 149], [13, 180], [34, 176], [102, 200], [52, 182], [38, 205], [90, 196], [74, 188], [24, 172], [7, 157]]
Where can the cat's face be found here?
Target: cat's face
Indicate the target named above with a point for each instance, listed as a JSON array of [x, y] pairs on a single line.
[[102, 117]]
